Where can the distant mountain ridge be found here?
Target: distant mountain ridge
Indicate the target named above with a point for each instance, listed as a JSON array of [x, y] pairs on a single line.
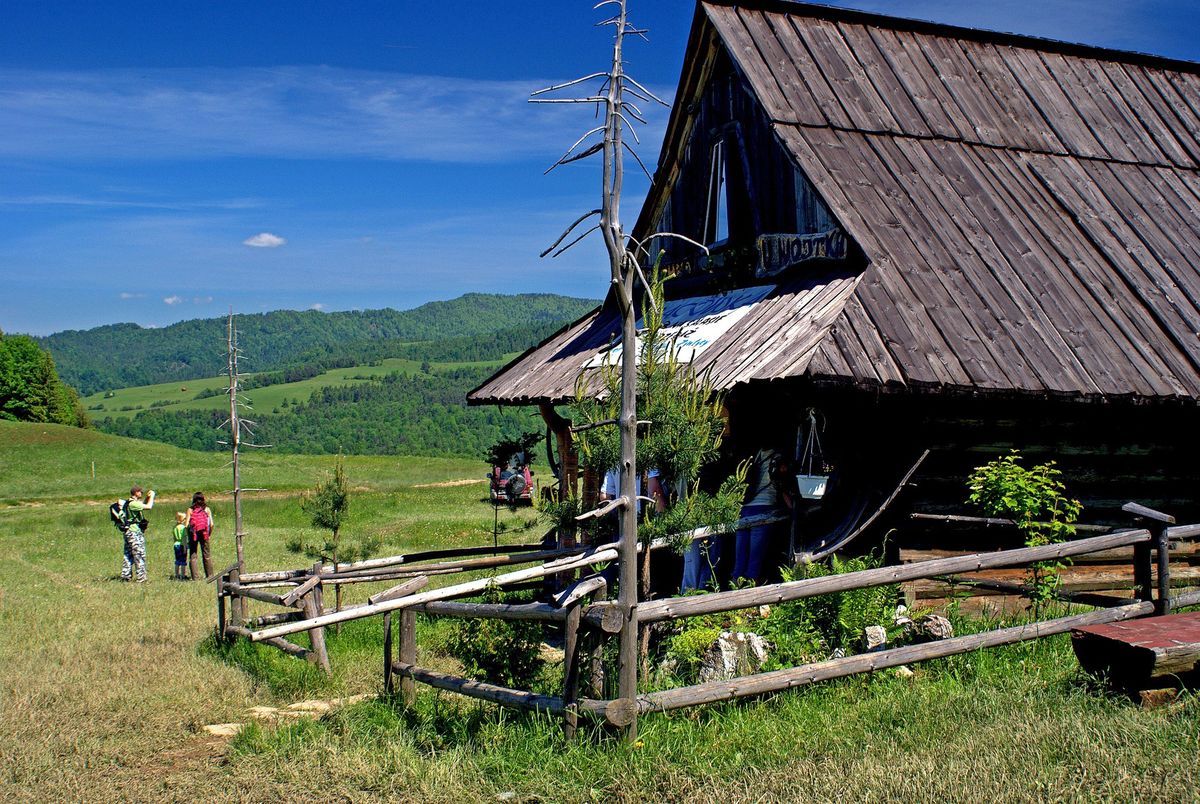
[[123, 355]]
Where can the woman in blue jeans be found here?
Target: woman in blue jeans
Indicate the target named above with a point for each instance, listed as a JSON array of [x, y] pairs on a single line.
[[765, 496]]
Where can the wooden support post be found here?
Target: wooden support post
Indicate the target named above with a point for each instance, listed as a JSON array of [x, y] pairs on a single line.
[[221, 609], [237, 607], [596, 662], [1162, 548], [408, 654], [571, 671], [1141, 572], [1142, 576], [318, 594], [387, 653], [317, 635]]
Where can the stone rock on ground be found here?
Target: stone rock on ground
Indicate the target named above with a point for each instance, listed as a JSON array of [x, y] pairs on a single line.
[[874, 637], [931, 628], [733, 654], [309, 708]]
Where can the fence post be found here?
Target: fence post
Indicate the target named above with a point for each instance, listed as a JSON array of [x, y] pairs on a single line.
[[387, 653], [318, 592], [316, 635], [408, 654], [237, 603], [571, 670], [1141, 557], [221, 608], [1162, 545]]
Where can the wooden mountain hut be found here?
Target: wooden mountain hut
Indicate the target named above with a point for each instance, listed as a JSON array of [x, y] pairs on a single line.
[[934, 238]]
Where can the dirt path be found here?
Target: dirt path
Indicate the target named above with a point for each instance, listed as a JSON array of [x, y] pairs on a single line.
[[448, 483]]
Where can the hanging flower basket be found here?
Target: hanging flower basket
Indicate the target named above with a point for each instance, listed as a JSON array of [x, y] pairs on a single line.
[[812, 487]]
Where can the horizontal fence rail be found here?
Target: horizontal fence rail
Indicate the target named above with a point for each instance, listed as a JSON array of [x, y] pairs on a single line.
[[584, 615], [718, 602], [777, 680]]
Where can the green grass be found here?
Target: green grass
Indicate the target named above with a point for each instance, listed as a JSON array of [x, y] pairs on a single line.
[[107, 685], [43, 463], [180, 396]]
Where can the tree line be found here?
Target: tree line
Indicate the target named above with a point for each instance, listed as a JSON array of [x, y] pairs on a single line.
[[30, 388], [424, 413], [124, 355]]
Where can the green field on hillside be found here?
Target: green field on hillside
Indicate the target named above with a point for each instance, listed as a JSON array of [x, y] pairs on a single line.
[[108, 686], [126, 403], [53, 462]]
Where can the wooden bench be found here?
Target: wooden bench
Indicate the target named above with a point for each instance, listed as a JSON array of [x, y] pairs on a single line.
[[1142, 654]]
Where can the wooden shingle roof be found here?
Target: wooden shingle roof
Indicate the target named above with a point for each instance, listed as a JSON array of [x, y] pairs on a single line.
[[1029, 211]]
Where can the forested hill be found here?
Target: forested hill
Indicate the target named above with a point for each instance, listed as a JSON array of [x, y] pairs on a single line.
[[122, 355]]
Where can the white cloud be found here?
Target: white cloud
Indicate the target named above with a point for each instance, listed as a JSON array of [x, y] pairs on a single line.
[[126, 295], [264, 240], [283, 112], [172, 300], [52, 200], [318, 306], [202, 299]]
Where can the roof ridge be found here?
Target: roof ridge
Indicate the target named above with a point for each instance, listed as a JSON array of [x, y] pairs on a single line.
[[853, 15]]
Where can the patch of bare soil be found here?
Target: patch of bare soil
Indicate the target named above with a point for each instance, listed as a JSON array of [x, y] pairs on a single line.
[[447, 484]]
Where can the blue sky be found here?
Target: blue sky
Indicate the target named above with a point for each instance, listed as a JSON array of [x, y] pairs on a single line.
[[161, 161]]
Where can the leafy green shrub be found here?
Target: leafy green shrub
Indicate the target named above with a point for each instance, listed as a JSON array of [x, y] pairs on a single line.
[[812, 628], [687, 649], [1036, 500], [498, 651]]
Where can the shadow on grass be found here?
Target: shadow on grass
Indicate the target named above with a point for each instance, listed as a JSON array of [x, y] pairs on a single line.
[[289, 677], [433, 724], [284, 676]]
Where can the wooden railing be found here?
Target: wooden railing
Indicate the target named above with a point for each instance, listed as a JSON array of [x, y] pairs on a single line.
[[601, 619], [587, 619]]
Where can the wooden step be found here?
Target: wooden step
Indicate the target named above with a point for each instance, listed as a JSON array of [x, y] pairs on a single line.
[[1142, 654]]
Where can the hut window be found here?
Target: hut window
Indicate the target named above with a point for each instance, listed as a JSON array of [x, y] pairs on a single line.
[[811, 213], [716, 217]]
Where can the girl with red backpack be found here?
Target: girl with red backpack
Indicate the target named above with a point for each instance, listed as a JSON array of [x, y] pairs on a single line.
[[200, 525]]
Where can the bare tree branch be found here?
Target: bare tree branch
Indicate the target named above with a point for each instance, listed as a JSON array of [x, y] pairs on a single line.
[[592, 149], [567, 100], [684, 238], [648, 94], [632, 130], [575, 82], [637, 158], [611, 505], [576, 240], [563, 236], [575, 145]]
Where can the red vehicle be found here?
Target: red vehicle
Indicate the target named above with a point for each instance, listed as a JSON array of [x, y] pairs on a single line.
[[512, 483], [511, 479]]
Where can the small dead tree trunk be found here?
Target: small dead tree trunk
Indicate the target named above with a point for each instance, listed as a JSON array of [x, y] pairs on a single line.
[[623, 253], [237, 423], [235, 439]]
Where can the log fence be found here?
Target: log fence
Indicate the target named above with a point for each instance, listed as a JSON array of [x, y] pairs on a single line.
[[602, 619], [586, 618], [300, 591]]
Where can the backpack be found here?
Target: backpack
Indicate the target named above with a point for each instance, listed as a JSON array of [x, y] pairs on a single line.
[[198, 523], [122, 517], [117, 513]]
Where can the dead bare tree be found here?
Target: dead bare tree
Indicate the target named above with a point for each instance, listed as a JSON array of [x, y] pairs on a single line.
[[238, 425], [607, 140]]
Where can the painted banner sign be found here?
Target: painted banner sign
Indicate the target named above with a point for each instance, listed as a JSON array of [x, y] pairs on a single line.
[[694, 324], [779, 251]]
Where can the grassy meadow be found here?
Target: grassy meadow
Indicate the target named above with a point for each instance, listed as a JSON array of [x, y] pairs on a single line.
[[176, 396], [107, 686]]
